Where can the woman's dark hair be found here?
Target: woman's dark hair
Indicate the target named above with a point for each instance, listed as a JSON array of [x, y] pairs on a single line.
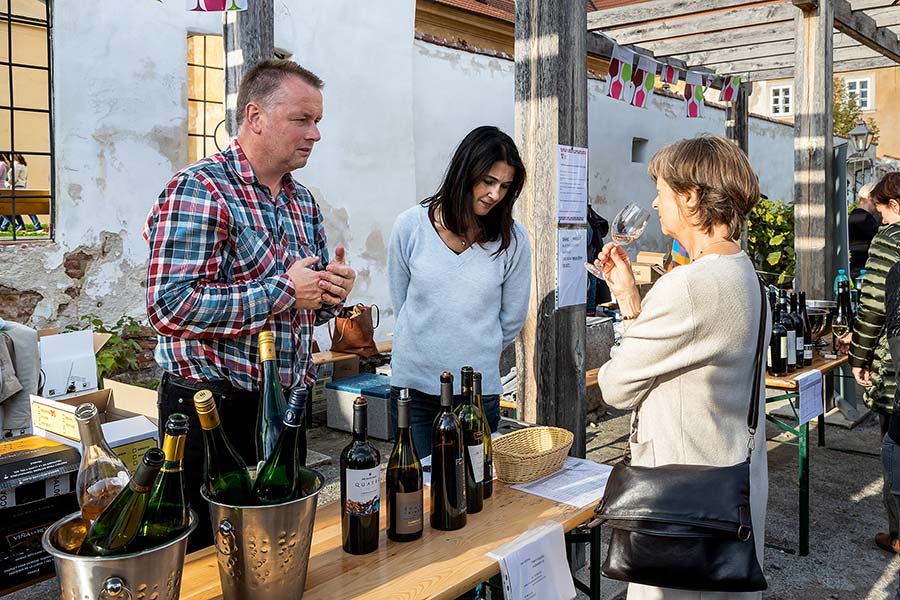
[[21, 159], [473, 159], [887, 189]]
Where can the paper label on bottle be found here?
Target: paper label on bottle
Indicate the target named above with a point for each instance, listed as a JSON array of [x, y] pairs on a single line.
[[800, 343], [476, 459], [57, 486], [807, 352], [409, 512], [769, 357], [363, 491], [461, 484], [790, 342]]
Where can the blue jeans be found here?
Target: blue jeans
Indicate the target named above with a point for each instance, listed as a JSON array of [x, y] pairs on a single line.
[[424, 408], [890, 462]]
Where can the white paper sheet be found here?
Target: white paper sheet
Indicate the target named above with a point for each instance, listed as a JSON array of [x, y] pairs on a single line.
[[533, 566], [571, 184], [812, 403], [579, 483], [571, 277]]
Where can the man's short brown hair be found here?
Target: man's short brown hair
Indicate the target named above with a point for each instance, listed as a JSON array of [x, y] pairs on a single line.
[[262, 80], [726, 185], [887, 189]]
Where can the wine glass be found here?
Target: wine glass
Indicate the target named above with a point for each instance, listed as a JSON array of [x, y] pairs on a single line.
[[840, 325], [629, 224]]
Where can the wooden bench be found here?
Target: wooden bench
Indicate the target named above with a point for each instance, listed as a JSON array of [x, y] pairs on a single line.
[[28, 202]]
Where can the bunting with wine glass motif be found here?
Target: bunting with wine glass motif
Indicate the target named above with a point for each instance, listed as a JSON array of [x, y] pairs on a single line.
[[618, 82], [669, 74], [216, 5], [693, 95], [730, 87], [643, 79]]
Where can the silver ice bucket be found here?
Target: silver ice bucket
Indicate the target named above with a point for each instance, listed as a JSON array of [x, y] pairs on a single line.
[[263, 551], [153, 574]]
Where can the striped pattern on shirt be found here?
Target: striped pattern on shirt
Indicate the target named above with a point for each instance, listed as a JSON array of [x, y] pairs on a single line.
[[869, 347], [220, 247]]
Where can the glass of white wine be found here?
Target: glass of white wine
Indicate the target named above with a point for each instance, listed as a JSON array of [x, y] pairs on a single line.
[[840, 325], [629, 224]]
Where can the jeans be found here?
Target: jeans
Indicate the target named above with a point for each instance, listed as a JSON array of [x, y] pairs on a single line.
[[888, 498], [890, 462], [237, 412], [424, 408]]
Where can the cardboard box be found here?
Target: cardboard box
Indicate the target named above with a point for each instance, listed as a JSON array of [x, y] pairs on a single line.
[[37, 488], [376, 389], [22, 559], [69, 361], [128, 415], [648, 267]]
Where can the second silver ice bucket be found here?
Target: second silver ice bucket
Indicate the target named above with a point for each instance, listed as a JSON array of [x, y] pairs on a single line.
[[263, 551]]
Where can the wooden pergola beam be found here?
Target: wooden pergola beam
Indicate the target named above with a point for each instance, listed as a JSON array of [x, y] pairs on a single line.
[[708, 22], [784, 61], [870, 4], [839, 67], [884, 17], [753, 34], [709, 58], [863, 28], [642, 12]]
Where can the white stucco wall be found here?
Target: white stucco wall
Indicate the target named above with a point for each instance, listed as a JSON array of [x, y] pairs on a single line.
[[457, 90], [392, 118]]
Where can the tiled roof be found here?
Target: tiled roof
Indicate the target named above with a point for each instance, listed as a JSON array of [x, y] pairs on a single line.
[[506, 9]]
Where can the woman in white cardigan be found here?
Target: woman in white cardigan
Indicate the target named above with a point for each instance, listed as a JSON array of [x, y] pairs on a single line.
[[685, 358]]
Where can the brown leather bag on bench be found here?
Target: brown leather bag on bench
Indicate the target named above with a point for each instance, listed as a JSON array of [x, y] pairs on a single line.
[[354, 330]]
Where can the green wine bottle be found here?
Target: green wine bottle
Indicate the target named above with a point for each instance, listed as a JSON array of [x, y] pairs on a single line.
[[473, 438], [403, 481], [272, 405], [448, 464], [283, 477], [225, 472], [116, 528], [488, 449], [167, 513]]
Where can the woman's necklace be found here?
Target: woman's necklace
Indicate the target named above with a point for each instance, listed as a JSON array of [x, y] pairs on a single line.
[[711, 244]]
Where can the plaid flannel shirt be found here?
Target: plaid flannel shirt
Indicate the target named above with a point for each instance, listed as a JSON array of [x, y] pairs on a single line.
[[220, 246]]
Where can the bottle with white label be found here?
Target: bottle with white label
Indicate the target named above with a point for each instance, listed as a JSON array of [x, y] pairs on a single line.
[[448, 464], [403, 481], [360, 487], [791, 330], [472, 423]]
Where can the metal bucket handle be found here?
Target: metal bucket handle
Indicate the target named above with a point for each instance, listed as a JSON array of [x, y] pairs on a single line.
[[114, 588], [225, 537]]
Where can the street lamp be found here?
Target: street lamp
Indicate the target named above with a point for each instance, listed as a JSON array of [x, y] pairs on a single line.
[[861, 136]]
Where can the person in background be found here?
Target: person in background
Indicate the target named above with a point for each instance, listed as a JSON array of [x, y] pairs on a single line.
[[460, 278], [890, 445], [597, 292], [237, 246], [869, 352], [861, 228], [685, 360], [4, 171], [18, 179]]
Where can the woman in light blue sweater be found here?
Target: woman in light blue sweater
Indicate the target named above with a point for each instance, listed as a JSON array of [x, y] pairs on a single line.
[[460, 276]]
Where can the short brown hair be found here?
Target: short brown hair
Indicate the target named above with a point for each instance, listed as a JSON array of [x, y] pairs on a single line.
[[718, 169], [262, 80], [887, 189]]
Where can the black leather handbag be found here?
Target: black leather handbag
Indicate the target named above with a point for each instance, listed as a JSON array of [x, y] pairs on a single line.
[[686, 526]]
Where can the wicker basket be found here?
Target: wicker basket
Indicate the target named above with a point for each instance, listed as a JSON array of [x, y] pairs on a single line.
[[529, 454]]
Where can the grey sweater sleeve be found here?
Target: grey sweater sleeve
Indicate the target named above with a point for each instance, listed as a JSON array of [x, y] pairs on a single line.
[[398, 262], [516, 287]]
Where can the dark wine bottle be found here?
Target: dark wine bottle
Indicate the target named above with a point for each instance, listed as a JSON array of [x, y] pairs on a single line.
[[778, 346], [788, 323], [488, 448], [800, 329], [272, 406], [281, 478], [167, 513], [225, 472], [403, 481], [807, 328], [360, 487], [470, 420], [448, 465], [118, 525]]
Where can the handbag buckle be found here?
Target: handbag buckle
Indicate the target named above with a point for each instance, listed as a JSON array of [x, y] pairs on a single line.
[[744, 530]]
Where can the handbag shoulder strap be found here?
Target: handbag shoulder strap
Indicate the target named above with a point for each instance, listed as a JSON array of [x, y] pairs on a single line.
[[753, 412]]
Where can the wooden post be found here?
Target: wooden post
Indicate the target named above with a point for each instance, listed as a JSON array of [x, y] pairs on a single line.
[[737, 116], [813, 147], [551, 109], [249, 38]]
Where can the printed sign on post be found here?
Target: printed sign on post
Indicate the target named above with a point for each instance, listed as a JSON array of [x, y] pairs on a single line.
[[571, 287], [571, 184]]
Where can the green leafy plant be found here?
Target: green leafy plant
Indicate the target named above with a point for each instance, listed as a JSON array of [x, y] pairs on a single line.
[[770, 239], [121, 352]]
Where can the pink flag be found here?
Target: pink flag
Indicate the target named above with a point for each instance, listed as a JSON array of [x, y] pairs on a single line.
[[669, 74], [693, 95], [730, 88], [618, 81], [643, 80], [216, 5]]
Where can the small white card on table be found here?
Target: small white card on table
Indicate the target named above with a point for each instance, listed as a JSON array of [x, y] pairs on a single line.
[[533, 566]]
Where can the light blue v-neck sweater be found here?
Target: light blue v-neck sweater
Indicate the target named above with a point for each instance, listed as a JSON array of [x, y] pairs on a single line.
[[453, 309]]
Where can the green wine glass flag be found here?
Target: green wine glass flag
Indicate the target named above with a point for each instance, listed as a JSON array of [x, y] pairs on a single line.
[[693, 95], [619, 84], [643, 79], [216, 5]]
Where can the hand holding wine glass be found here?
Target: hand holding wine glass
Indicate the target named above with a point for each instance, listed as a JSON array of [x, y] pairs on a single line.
[[613, 261]]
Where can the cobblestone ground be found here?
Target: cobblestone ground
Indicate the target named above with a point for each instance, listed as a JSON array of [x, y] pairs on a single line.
[[845, 490]]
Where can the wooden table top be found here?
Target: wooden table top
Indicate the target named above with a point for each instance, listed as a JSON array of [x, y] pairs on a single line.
[[819, 363], [439, 565], [321, 358]]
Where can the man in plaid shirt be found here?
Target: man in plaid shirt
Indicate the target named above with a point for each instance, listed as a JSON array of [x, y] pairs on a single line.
[[238, 246]]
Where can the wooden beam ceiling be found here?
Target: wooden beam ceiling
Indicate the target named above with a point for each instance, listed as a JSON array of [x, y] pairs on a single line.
[[863, 28], [869, 4], [880, 62], [746, 36], [841, 55], [642, 12]]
